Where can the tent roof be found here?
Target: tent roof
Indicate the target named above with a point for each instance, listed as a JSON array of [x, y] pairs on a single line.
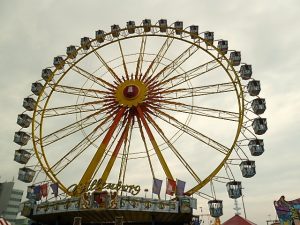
[[237, 220], [4, 221]]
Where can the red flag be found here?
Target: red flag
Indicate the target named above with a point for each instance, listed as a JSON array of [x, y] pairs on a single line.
[[44, 190], [171, 187]]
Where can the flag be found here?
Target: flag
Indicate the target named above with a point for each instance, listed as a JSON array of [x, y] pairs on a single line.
[[44, 190], [171, 187], [37, 192], [54, 188], [156, 186], [180, 187]]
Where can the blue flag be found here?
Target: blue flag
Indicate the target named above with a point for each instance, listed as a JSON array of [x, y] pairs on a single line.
[[54, 188], [37, 192], [180, 187], [156, 186]]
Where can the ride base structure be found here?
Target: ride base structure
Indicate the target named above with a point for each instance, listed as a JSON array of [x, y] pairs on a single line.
[[108, 208]]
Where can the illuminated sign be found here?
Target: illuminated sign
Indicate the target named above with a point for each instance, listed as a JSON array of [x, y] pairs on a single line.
[[96, 185]]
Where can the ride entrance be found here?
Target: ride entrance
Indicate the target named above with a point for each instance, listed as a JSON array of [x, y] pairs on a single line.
[[131, 109]]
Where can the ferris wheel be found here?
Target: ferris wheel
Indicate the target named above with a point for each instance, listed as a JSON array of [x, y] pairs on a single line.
[[143, 102]]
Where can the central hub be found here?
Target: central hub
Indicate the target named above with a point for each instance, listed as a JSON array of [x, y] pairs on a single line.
[[131, 91]]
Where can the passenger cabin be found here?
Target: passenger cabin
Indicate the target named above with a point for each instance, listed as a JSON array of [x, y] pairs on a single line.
[[259, 126], [46, 74], [26, 174], [248, 168], [147, 25], [85, 43], [215, 208], [235, 58], [26, 208], [36, 88], [115, 30], [100, 36], [24, 120], [194, 31], [22, 156], [234, 189], [71, 52], [130, 27], [209, 37], [58, 62], [256, 147], [253, 87], [246, 71], [178, 27], [29, 104], [163, 24], [223, 46], [21, 138], [258, 106]]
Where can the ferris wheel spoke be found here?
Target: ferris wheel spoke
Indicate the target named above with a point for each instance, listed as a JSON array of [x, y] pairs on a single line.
[[200, 111], [77, 150], [159, 56], [192, 132], [73, 109], [123, 59], [116, 151], [100, 151], [72, 129], [154, 144], [110, 70], [173, 149], [146, 146], [182, 93], [170, 68], [141, 57], [91, 93], [190, 74], [92, 77]]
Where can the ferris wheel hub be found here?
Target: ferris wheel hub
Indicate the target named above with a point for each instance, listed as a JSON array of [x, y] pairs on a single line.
[[131, 93]]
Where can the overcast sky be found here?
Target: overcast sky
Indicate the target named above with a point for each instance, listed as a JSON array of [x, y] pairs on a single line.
[[266, 32]]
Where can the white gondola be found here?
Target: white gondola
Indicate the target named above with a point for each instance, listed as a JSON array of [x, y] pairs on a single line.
[[22, 156], [215, 208], [130, 27], [71, 52], [235, 58], [58, 62], [24, 120], [21, 138], [178, 27], [29, 104], [246, 71], [194, 31], [115, 30], [85, 43], [36, 88], [253, 87], [258, 106], [209, 37], [259, 126], [234, 189], [248, 168], [256, 147], [46, 74], [26, 174], [100, 36], [147, 25], [163, 24], [223, 46]]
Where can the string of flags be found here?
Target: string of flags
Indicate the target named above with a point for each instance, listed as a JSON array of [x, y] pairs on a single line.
[[173, 187], [38, 191]]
